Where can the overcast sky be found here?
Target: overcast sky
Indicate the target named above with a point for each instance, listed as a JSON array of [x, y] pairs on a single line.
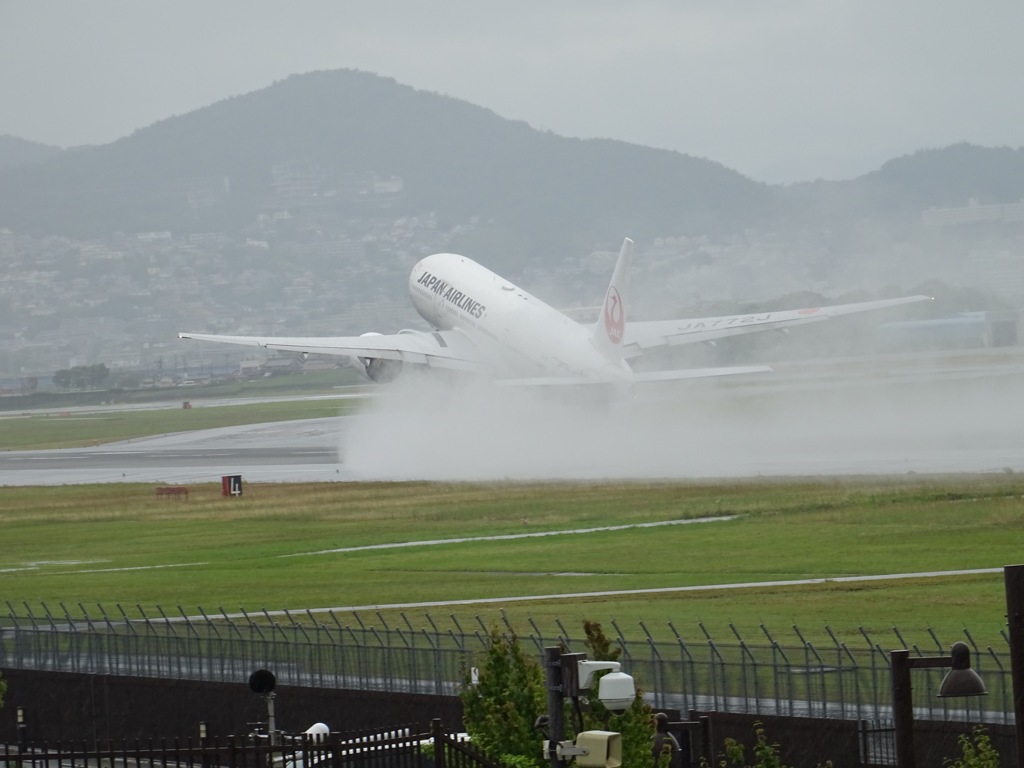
[[780, 90]]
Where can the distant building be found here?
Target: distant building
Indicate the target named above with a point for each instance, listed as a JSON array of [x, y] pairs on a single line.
[[207, 192], [300, 181], [973, 213]]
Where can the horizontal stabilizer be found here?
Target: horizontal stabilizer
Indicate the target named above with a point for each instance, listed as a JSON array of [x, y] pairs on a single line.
[[699, 373], [643, 377]]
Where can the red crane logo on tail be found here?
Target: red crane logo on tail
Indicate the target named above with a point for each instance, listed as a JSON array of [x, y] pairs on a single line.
[[614, 316]]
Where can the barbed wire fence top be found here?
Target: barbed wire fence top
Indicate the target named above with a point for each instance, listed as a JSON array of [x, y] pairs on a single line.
[[766, 674]]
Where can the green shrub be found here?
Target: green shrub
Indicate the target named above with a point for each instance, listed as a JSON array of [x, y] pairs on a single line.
[[500, 709], [977, 751], [766, 755]]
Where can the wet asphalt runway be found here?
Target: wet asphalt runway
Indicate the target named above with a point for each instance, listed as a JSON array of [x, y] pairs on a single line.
[[291, 451]]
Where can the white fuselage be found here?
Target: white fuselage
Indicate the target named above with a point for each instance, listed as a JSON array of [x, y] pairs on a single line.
[[525, 336]]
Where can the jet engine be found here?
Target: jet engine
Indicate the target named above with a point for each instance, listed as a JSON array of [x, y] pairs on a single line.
[[379, 370]]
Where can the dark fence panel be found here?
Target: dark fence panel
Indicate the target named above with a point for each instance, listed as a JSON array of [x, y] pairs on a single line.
[[394, 747], [63, 706], [163, 716]]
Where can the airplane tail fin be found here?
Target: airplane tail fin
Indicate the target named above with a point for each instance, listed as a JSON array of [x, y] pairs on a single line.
[[611, 323]]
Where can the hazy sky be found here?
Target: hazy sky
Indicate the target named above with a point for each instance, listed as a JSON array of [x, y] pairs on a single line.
[[780, 90]]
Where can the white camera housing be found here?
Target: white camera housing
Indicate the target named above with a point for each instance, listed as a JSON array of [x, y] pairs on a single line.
[[616, 691]]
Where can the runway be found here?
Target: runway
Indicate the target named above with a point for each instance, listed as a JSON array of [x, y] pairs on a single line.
[[910, 415], [287, 451]]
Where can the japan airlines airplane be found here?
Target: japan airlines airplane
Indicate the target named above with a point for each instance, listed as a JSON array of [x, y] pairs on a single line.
[[484, 324]]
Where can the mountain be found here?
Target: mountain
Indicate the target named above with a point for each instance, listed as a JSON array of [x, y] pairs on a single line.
[[903, 187], [333, 146], [452, 157], [949, 177], [15, 152]]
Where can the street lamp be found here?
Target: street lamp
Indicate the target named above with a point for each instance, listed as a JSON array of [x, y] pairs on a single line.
[[567, 674], [961, 680], [263, 681], [1013, 578]]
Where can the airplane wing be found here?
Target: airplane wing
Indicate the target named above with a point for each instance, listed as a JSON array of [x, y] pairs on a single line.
[[438, 349], [642, 335]]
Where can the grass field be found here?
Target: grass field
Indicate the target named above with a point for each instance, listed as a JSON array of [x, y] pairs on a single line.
[[71, 429], [118, 545]]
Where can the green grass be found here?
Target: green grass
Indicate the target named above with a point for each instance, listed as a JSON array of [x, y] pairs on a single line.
[[320, 382], [64, 544], [75, 429]]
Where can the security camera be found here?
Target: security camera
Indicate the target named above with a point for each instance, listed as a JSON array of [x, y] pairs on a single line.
[[616, 691]]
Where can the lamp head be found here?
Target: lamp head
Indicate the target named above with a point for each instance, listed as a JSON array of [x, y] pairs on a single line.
[[961, 680], [262, 681]]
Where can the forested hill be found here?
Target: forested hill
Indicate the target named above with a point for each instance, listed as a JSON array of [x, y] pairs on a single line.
[[214, 170], [452, 157], [948, 177], [953, 175], [15, 152]]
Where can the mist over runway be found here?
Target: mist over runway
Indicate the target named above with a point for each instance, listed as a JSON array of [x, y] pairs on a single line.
[[856, 417], [890, 416]]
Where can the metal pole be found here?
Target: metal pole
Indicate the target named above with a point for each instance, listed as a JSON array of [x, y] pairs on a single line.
[[439, 757], [22, 730], [556, 712], [1013, 576], [271, 718], [902, 700], [902, 709]]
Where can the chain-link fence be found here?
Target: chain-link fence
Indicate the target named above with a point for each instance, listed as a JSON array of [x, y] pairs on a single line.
[[763, 675]]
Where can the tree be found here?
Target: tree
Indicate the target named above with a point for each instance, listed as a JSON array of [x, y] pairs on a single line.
[[62, 378], [501, 707], [977, 751], [636, 724], [766, 754], [81, 376]]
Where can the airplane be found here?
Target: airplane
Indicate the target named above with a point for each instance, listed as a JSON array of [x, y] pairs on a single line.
[[484, 324]]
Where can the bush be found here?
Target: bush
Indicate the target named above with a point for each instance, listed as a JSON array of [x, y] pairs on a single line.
[[766, 755], [499, 710], [977, 751]]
